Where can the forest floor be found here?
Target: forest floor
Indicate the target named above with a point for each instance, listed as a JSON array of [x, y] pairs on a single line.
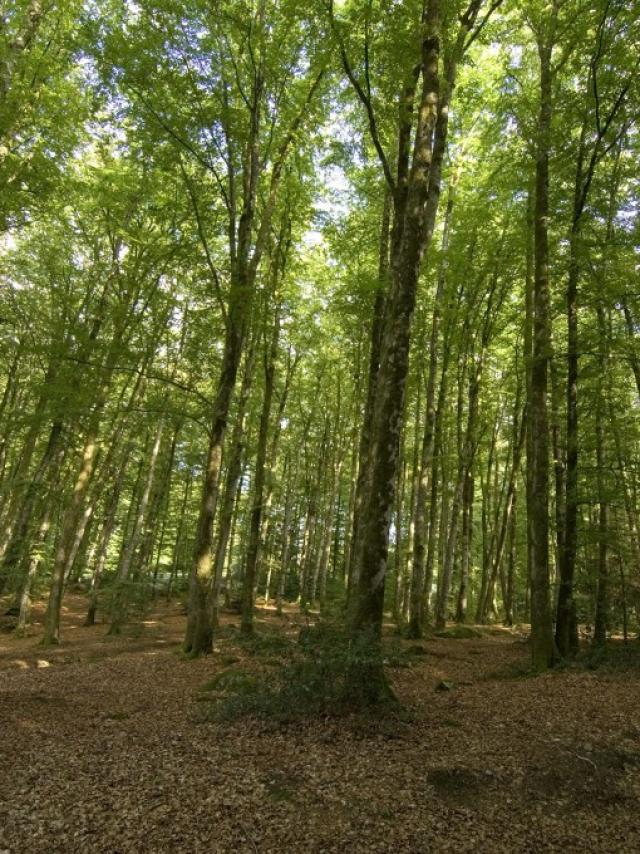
[[104, 748]]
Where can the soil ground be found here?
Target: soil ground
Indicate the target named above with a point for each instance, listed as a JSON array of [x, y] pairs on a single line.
[[103, 748]]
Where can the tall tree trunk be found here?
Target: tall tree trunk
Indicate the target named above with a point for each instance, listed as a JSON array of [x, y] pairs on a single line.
[[250, 572], [18, 539], [558, 464], [408, 580], [120, 597], [180, 534], [34, 562], [18, 483], [6, 403], [467, 540], [367, 611], [372, 377], [566, 623], [199, 635], [416, 620], [110, 519], [308, 557], [286, 540], [467, 453], [246, 249], [232, 479], [509, 583], [542, 645], [354, 470], [602, 598], [436, 480]]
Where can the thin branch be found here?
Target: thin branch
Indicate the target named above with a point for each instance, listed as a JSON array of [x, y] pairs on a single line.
[[205, 243], [470, 15], [364, 99], [236, 72], [203, 161], [123, 369], [276, 174]]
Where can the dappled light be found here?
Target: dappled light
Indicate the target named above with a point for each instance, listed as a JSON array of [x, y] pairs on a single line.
[[319, 426]]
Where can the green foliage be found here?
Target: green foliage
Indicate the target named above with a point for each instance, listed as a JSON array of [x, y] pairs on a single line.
[[335, 601], [325, 675], [125, 176], [234, 681], [267, 643], [459, 633], [616, 658]]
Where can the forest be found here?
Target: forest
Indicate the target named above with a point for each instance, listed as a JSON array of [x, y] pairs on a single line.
[[319, 425]]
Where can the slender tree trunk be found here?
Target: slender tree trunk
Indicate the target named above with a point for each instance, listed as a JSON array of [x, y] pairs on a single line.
[[408, 581], [105, 539], [566, 623], [119, 605], [164, 503], [399, 593], [558, 465], [542, 645], [18, 484], [467, 540], [372, 378], [245, 262], [509, 586], [35, 561], [286, 543], [18, 539], [199, 635], [602, 598], [528, 361], [509, 506], [250, 573], [467, 454], [179, 534], [353, 468], [416, 621], [436, 480], [6, 403], [232, 479]]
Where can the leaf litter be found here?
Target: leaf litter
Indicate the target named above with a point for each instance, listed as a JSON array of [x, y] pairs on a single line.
[[103, 749]]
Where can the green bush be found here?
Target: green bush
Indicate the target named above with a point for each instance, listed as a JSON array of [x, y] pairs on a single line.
[[459, 633], [335, 601], [326, 674], [233, 680], [270, 643]]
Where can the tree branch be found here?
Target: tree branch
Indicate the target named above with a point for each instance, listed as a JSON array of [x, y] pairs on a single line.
[[365, 98], [205, 244]]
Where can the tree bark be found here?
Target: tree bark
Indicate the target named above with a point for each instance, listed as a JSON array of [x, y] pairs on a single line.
[[250, 572], [417, 615], [366, 615], [542, 645]]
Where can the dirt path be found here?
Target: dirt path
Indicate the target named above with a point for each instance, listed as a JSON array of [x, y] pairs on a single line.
[[102, 750]]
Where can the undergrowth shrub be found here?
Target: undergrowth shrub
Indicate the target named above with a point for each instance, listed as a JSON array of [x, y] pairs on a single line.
[[325, 674], [459, 632], [270, 643], [616, 656]]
